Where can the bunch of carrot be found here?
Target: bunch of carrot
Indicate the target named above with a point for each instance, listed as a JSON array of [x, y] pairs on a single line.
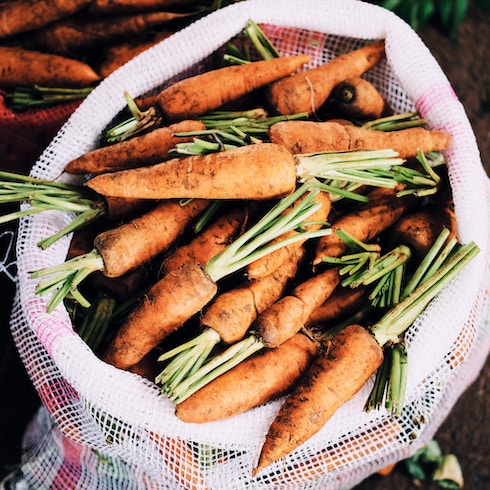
[[286, 255]]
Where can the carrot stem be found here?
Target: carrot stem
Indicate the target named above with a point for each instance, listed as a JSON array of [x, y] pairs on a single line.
[[395, 122]]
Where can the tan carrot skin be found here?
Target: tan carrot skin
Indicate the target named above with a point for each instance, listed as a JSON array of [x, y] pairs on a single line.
[[144, 150], [194, 96], [141, 239], [27, 15], [233, 311], [420, 229], [357, 98], [364, 223], [270, 262], [257, 380], [168, 304], [77, 35], [332, 379], [308, 90], [209, 242], [312, 136], [289, 315], [222, 175], [25, 68], [340, 304]]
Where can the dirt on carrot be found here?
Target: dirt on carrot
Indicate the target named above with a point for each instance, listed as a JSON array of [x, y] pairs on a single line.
[[221, 175], [257, 380], [194, 96], [333, 378], [144, 150], [129, 6], [20, 67], [308, 90], [312, 136], [142, 331]]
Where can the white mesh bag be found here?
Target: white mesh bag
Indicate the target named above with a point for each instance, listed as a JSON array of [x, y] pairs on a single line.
[[104, 428]]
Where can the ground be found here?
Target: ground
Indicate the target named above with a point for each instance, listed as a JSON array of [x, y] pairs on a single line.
[[466, 431]]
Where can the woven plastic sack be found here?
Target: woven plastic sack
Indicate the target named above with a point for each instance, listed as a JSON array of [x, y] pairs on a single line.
[[106, 428]]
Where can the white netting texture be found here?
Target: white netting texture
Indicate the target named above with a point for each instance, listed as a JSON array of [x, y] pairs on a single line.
[[105, 428]]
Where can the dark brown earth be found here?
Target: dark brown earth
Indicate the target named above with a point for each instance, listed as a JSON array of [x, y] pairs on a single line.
[[466, 432]]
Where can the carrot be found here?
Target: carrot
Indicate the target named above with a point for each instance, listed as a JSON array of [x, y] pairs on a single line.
[[121, 249], [233, 311], [222, 175], [24, 68], [80, 34], [143, 150], [119, 53], [257, 380], [209, 242], [312, 136], [127, 6], [270, 262], [340, 304], [420, 228], [290, 313], [182, 293], [27, 15], [335, 376], [176, 297], [308, 90], [197, 95], [364, 223], [356, 98]]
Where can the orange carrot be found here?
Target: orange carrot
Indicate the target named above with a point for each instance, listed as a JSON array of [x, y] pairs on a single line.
[[312, 136], [308, 90], [364, 223], [197, 95], [221, 175], [209, 242], [25, 68], [334, 377], [76, 35], [257, 380], [176, 297], [233, 311], [420, 229], [342, 303], [27, 15], [134, 243], [289, 314], [144, 150], [356, 98], [261, 267]]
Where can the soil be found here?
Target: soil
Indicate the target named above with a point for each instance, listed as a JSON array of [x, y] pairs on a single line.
[[466, 432]]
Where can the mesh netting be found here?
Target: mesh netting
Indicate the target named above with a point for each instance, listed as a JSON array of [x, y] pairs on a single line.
[[101, 427]]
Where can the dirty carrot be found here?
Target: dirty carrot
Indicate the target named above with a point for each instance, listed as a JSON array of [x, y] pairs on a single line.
[[364, 222], [256, 380], [76, 35], [270, 263], [290, 313], [20, 67], [121, 249], [313, 136], [181, 294], [27, 15], [125, 6], [208, 242], [419, 229], [221, 175], [308, 90], [197, 95], [334, 377], [143, 150], [357, 98]]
